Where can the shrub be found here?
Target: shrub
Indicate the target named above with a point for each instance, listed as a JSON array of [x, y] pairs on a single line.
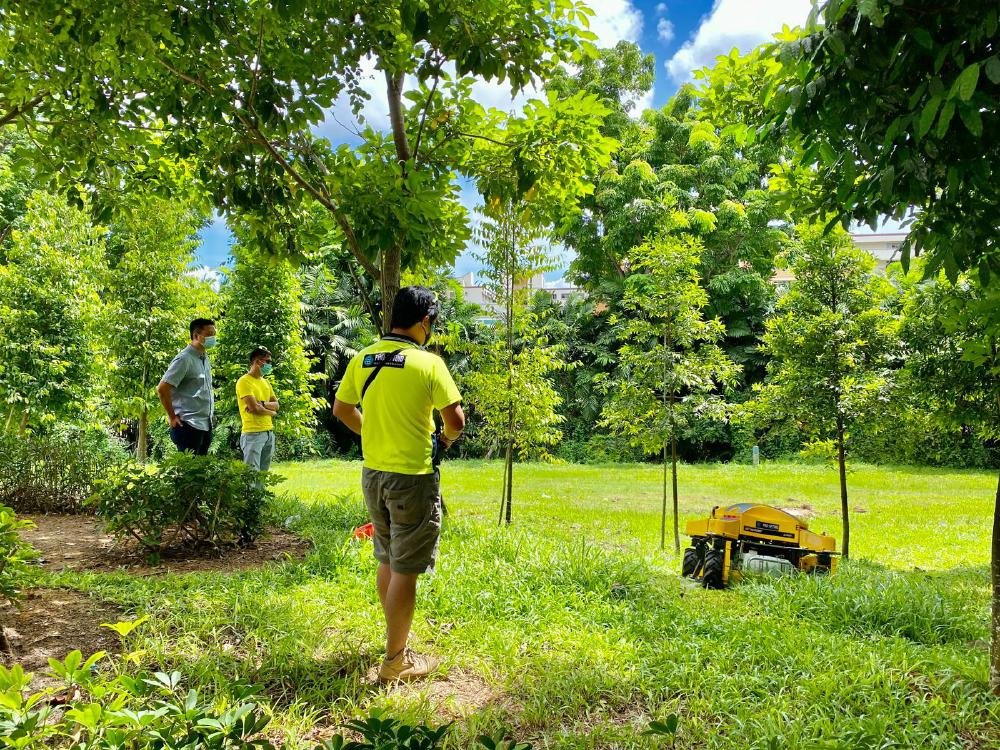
[[186, 500], [89, 709], [140, 712], [15, 555], [55, 472]]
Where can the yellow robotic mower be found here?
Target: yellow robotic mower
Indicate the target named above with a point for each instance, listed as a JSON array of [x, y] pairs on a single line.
[[749, 538]]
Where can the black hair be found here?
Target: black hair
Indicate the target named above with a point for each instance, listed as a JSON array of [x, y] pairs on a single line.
[[260, 351], [413, 304], [199, 324]]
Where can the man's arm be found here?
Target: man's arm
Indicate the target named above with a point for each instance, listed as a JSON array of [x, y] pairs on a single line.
[[454, 422], [349, 414], [256, 407], [166, 393]]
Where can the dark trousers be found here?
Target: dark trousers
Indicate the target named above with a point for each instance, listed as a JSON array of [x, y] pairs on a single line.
[[191, 439]]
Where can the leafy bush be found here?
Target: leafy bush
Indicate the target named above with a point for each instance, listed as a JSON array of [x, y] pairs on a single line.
[[186, 500], [153, 712], [15, 555], [55, 472], [140, 712]]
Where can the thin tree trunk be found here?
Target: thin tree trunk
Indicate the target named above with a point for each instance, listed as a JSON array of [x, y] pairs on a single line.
[[24, 423], [511, 417], [844, 510], [995, 580], [509, 489], [673, 468], [142, 440], [663, 510]]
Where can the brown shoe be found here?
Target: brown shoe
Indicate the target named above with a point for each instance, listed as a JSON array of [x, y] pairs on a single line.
[[406, 665]]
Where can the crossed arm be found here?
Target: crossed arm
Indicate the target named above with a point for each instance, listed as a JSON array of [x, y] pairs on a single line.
[[263, 408]]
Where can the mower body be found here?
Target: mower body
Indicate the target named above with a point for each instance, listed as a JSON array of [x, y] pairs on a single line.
[[749, 538]]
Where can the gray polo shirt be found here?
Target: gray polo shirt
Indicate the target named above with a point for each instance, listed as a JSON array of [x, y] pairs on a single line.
[[191, 376]]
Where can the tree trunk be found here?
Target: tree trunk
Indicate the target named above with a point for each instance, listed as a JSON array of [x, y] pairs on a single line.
[[509, 489], [673, 469], [995, 580], [142, 439], [844, 510], [663, 510], [389, 283], [23, 426]]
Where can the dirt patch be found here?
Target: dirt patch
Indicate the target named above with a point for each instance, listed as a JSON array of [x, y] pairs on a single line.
[[803, 511], [52, 622], [69, 542], [456, 696]]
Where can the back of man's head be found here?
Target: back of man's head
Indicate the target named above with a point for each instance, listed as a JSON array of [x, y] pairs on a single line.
[[412, 305]]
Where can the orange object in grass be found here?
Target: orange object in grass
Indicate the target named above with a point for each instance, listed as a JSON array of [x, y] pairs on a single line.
[[365, 532]]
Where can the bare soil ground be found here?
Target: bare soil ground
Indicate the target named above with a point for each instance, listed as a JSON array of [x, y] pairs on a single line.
[[75, 542], [49, 623]]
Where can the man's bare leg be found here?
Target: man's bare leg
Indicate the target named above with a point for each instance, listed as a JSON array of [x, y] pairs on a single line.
[[382, 582], [400, 600]]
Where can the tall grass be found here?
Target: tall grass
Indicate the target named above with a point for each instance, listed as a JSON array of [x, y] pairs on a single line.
[[583, 632]]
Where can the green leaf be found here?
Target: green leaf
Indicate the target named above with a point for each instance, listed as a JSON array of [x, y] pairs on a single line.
[[965, 85], [972, 119], [947, 112], [923, 38], [927, 116], [993, 68]]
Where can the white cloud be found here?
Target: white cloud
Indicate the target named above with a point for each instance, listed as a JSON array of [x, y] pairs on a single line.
[[665, 30], [211, 275], [735, 23], [661, 9], [615, 20]]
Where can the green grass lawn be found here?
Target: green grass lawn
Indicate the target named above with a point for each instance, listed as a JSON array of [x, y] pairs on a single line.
[[572, 628]]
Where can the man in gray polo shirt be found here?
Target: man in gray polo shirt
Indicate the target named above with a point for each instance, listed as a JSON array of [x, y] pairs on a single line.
[[185, 391]]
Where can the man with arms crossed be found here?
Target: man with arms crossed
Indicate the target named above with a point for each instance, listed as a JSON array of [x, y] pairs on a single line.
[[258, 407], [398, 385], [185, 390]]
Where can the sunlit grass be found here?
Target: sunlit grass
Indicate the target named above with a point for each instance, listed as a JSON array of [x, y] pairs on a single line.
[[581, 629]]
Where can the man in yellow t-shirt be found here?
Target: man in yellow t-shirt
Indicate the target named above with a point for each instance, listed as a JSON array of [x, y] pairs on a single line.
[[398, 385], [258, 407]]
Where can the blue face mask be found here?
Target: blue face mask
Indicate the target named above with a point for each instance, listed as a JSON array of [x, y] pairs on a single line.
[[210, 342], [266, 369]]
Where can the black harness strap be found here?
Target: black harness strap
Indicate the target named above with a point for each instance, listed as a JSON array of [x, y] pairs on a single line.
[[376, 371]]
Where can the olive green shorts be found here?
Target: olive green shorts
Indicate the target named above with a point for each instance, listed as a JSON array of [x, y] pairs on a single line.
[[405, 510]]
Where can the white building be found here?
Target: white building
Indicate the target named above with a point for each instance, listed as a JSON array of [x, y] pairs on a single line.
[[883, 246], [476, 293]]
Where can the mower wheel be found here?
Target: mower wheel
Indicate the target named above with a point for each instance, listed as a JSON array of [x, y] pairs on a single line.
[[714, 560], [690, 564]]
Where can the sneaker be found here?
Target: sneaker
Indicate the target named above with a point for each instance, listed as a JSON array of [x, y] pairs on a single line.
[[407, 665]]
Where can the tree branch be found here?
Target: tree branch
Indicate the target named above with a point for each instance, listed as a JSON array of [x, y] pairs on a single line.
[[256, 67], [394, 86], [320, 196], [21, 109], [329, 205], [423, 118]]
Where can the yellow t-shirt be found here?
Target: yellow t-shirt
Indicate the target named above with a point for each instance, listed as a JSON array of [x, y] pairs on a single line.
[[261, 390], [399, 405]]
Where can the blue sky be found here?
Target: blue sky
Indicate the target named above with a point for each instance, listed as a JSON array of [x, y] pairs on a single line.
[[683, 35]]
